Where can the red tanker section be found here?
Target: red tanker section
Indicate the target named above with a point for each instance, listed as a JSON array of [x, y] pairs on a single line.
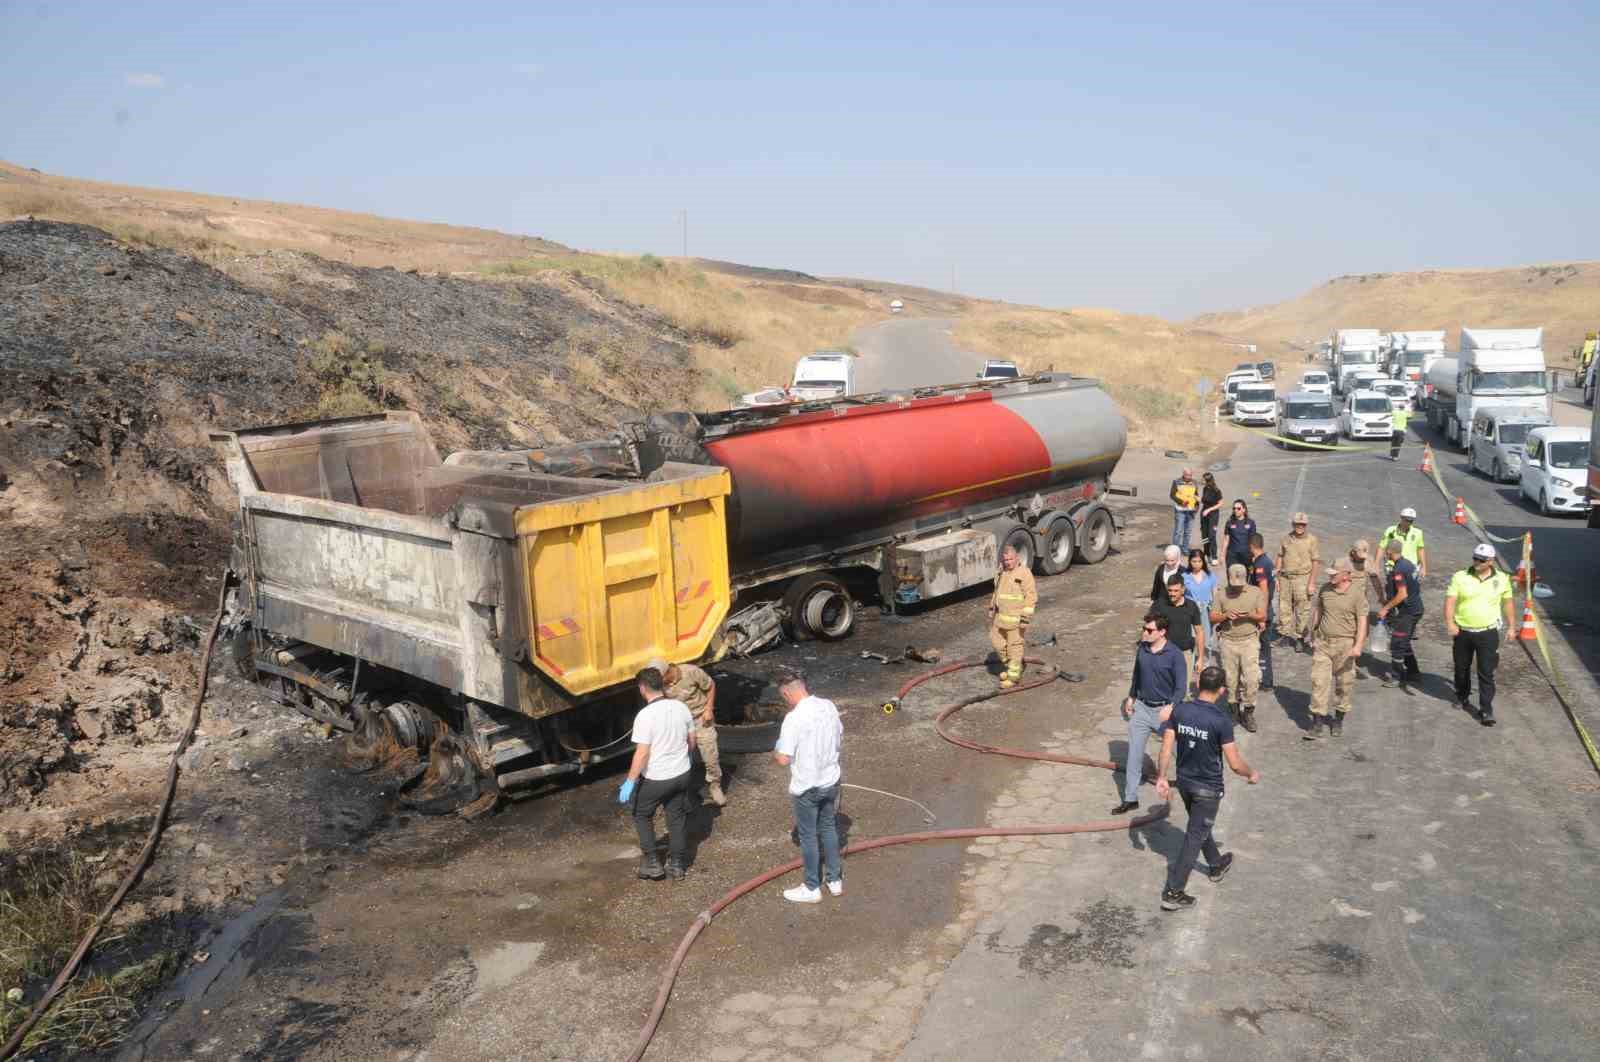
[[813, 477]]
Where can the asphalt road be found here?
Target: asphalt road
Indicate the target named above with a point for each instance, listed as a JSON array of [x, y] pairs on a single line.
[[1418, 889], [905, 352]]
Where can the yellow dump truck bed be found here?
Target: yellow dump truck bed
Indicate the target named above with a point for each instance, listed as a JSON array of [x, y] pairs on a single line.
[[522, 590]]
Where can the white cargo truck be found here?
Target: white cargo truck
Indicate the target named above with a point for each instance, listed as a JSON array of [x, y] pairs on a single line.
[[1499, 369], [1411, 355], [1354, 350]]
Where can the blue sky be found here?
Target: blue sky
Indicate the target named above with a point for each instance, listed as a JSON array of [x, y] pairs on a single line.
[[1157, 158]]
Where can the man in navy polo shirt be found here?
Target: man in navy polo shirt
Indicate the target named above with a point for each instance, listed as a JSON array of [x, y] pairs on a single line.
[[1402, 610], [1201, 736]]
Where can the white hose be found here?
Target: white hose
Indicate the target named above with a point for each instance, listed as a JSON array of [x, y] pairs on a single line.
[[928, 815]]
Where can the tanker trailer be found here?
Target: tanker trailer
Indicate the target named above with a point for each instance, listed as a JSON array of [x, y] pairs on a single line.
[[913, 492], [479, 614]]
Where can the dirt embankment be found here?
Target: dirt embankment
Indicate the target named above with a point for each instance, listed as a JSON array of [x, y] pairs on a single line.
[[114, 363]]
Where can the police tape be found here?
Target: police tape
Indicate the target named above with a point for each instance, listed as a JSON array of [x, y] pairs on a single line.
[[1302, 443], [1551, 674]]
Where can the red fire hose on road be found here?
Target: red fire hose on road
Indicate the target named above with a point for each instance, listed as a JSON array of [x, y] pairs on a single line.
[[670, 975]]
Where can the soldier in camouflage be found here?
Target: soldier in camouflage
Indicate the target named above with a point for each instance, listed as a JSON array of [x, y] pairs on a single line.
[[695, 688]]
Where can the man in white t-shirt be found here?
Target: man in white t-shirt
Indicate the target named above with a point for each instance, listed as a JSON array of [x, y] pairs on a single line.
[[663, 734], [808, 744]]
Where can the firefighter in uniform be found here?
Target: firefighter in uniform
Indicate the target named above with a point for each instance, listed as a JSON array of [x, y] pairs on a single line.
[[1299, 557], [1010, 610], [696, 689]]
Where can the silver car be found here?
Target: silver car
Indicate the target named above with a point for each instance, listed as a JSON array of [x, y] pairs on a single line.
[[1495, 447], [1307, 417]]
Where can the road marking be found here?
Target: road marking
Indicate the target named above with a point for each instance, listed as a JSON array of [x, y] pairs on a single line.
[[1299, 486]]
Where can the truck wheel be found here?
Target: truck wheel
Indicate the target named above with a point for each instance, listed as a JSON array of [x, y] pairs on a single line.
[[1497, 473], [1096, 537], [820, 607], [1021, 540], [1055, 552]]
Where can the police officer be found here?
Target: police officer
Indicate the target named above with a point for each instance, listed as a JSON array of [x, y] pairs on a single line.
[[1397, 435], [1339, 626], [1411, 544], [1402, 610], [1010, 610], [1299, 557], [1473, 607]]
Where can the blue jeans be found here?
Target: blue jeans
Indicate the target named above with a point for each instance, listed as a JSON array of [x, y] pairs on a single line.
[[1145, 721], [814, 820], [1182, 528]]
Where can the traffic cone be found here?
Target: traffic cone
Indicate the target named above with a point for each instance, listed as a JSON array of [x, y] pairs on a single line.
[[1461, 512], [1528, 632], [1426, 467], [1527, 575]]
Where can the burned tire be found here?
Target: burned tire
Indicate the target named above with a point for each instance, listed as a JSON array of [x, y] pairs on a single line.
[[1020, 539], [1056, 546], [1098, 531], [749, 738], [820, 607], [451, 782]]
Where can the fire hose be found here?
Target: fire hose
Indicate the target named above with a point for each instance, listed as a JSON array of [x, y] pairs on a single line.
[[670, 975]]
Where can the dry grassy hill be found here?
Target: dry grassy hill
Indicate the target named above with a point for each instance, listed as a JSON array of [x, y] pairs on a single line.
[[1564, 298]]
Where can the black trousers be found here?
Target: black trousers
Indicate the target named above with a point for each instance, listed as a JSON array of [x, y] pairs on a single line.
[[1485, 646], [1402, 628], [672, 794], [1395, 439], [1202, 806], [1208, 536]]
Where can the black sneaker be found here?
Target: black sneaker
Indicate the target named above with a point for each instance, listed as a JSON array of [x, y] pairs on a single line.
[[1486, 717], [1125, 807], [1392, 683], [650, 868], [1220, 871], [1175, 900]]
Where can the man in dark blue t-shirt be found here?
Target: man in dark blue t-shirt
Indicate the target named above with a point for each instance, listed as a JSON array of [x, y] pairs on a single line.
[[1402, 610], [1263, 575], [1201, 736]]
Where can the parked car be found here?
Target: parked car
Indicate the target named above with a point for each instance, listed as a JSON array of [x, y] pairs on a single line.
[[1396, 390], [767, 396], [999, 370], [1315, 382], [1495, 445], [1308, 417], [824, 375], [1555, 463], [1367, 415], [1255, 403], [1267, 370]]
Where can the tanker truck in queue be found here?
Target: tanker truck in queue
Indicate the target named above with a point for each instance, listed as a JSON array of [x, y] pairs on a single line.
[[1498, 370], [487, 612], [1354, 350]]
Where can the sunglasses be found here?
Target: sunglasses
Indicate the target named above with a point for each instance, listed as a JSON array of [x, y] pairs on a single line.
[[1150, 630]]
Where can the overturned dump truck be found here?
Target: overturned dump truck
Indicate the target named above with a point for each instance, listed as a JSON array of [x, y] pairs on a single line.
[[486, 613]]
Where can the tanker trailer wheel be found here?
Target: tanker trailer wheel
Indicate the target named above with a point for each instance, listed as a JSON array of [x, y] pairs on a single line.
[[1020, 539], [1097, 532], [1055, 548], [820, 607], [452, 781]]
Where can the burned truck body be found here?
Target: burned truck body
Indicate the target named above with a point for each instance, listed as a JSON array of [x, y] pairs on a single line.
[[500, 600]]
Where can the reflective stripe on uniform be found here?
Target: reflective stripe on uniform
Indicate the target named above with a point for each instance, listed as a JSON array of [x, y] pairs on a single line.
[[1008, 621]]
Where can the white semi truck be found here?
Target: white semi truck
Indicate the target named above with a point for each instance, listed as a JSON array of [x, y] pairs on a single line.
[[1354, 349], [1411, 355], [1500, 369]]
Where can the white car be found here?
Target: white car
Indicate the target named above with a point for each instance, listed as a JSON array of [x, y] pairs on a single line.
[[896, 306], [1315, 382], [824, 375], [1367, 415], [1555, 464], [1255, 403], [999, 370], [1361, 380], [1396, 390]]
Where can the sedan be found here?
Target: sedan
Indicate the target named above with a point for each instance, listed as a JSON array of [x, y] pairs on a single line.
[[1398, 396]]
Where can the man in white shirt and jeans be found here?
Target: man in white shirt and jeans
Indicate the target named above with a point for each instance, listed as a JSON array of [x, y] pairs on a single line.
[[663, 734], [808, 744]]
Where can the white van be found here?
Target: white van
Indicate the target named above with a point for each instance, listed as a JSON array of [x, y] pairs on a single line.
[[825, 374], [1555, 463], [1255, 403]]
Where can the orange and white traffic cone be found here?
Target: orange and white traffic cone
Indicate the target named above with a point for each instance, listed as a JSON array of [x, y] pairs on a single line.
[[1461, 512], [1528, 632], [1527, 575], [1427, 459]]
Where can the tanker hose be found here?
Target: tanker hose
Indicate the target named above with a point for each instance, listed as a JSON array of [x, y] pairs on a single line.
[[1051, 673], [20, 1033]]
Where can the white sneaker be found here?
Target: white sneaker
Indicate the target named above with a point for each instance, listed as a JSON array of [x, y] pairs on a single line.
[[801, 894], [836, 888]]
